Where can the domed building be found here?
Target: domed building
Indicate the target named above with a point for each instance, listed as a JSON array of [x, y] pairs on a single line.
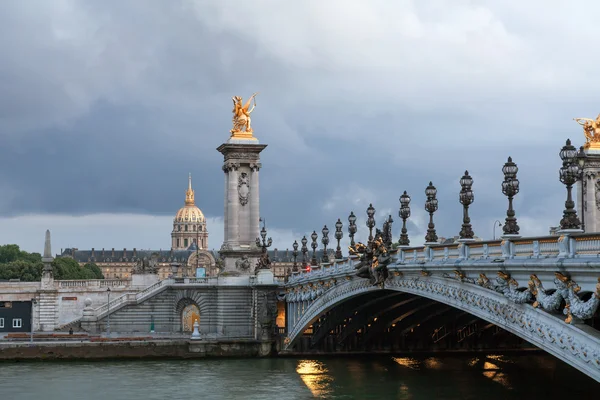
[[189, 254], [189, 224]]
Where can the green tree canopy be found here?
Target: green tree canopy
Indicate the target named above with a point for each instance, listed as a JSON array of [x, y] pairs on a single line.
[[17, 264]]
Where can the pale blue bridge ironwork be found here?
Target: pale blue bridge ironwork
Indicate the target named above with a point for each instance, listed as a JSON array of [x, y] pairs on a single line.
[[541, 289]]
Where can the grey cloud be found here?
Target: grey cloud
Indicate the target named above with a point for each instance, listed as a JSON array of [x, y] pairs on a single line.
[[106, 106]]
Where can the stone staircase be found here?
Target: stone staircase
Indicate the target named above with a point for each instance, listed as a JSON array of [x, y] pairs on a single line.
[[118, 303], [47, 310]]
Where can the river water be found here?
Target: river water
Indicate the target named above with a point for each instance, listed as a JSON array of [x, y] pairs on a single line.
[[533, 376]]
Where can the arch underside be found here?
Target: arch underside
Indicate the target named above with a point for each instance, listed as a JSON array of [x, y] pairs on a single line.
[[576, 345]]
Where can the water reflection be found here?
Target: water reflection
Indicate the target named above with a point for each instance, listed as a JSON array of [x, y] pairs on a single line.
[[374, 377], [315, 376]]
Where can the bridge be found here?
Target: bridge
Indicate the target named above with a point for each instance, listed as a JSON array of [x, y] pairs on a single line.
[[541, 289]]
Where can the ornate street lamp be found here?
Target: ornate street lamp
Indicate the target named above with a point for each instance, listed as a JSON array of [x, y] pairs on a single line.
[[314, 246], [569, 173], [338, 236], [581, 160], [431, 206], [404, 213], [264, 244], [466, 197], [304, 250], [370, 221], [352, 227], [510, 187], [295, 255], [325, 241]]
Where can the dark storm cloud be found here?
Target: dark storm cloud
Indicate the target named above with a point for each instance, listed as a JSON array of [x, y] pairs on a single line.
[[106, 106]]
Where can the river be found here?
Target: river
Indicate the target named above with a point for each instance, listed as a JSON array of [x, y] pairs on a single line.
[[531, 376]]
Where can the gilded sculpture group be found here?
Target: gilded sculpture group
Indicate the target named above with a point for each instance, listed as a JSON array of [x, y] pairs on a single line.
[[591, 128], [373, 261], [241, 114]]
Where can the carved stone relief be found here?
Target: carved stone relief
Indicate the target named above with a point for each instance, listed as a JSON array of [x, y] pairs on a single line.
[[243, 188], [598, 194]]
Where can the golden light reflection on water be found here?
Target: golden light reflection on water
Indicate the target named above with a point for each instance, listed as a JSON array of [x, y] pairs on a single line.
[[315, 376], [494, 372], [407, 362], [433, 363]]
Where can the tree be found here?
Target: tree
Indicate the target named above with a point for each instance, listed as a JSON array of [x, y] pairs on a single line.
[[68, 269], [94, 269]]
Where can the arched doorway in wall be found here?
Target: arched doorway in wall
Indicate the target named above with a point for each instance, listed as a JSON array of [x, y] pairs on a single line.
[[189, 314]]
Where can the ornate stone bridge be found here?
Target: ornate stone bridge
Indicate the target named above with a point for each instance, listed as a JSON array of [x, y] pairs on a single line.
[[542, 289]]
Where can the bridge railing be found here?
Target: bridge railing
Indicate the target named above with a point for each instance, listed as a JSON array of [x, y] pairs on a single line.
[[92, 283], [568, 245]]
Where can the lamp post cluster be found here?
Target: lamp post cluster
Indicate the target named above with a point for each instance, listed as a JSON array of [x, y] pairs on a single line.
[[571, 171]]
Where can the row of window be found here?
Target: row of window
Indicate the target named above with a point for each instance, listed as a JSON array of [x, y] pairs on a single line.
[[185, 228], [186, 243], [16, 323]]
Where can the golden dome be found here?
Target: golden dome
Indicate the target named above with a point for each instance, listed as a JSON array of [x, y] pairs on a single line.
[[189, 212]]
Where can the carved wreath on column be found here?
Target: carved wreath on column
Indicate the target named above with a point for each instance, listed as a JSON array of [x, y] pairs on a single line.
[[243, 188]]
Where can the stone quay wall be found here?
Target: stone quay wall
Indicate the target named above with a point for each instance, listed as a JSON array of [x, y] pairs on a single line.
[[173, 348]]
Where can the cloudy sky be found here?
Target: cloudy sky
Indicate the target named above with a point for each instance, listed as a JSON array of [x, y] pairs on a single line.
[[105, 106]]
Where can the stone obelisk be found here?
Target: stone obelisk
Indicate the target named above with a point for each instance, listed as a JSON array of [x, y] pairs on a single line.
[[47, 272], [241, 166]]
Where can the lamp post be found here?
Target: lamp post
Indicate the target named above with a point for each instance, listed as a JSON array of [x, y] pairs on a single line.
[[108, 313], [264, 262], [431, 206], [304, 250], [33, 302], [510, 187], [352, 227], [370, 221], [466, 197], [569, 173], [338, 236], [325, 241], [295, 255], [314, 245], [496, 222], [404, 213]]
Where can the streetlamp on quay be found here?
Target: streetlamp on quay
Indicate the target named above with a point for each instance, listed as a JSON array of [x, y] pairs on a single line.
[[569, 173], [404, 213], [33, 302], [352, 227], [325, 241], [498, 224], [510, 187], [431, 206], [466, 198], [314, 246], [338, 236]]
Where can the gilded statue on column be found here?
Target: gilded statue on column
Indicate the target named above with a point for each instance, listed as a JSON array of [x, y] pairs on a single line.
[[591, 130], [241, 116]]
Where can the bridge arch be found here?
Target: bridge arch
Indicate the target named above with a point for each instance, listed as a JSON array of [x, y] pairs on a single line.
[[577, 345]]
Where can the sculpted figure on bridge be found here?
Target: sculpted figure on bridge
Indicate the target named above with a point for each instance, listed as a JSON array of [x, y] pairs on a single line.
[[578, 308], [591, 128], [549, 301], [146, 266], [374, 259], [241, 114]]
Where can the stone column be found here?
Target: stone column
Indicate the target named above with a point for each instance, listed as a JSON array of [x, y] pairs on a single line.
[[232, 207], [588, 192]]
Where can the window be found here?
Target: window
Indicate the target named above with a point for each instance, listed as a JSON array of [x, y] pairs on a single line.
[[194, 226], [177, 242], [185, 228], [185, 243], [17, 323], [1, 322]]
